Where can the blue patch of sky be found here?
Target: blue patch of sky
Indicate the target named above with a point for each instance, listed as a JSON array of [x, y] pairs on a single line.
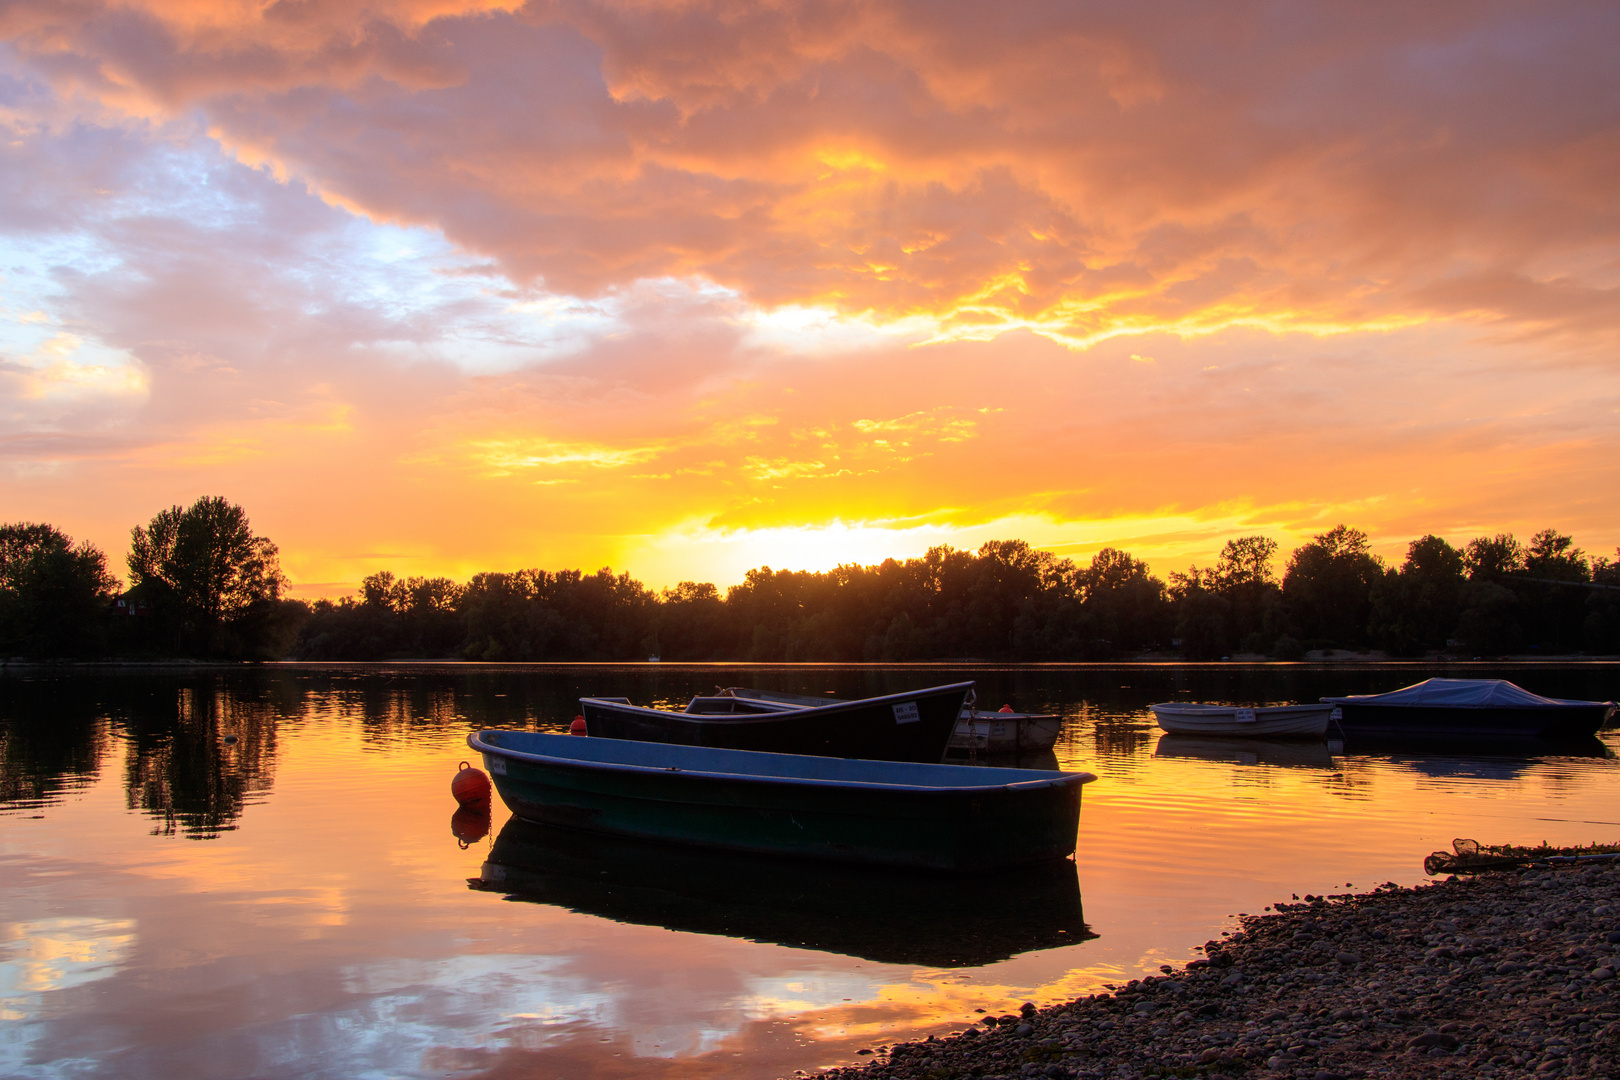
[[147, 197]]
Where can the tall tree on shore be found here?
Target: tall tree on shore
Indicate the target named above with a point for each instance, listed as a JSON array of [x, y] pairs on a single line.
[[54, 595], [1489, 557], [1415, 607], [1328, 586], [1243, 577], [207, 579]]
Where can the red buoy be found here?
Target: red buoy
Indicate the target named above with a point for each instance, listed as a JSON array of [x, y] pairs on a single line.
[[578, 726], [470, 787], [1006, 708], [470, 824]]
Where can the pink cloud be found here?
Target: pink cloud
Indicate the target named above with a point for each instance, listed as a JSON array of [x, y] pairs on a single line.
[[1308, 164], [480, 288]]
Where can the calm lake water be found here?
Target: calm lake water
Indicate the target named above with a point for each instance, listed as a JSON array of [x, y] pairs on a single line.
[[176, 902]]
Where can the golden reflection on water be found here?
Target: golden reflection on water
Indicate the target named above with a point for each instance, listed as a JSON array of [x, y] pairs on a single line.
[[304, 907]]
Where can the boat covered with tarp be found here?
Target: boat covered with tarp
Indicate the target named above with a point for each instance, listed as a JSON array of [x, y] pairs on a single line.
[[1489, 707], [912, 726], [884, 813]]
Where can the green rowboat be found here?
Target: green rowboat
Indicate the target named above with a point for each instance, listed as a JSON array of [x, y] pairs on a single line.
[[883, 813]]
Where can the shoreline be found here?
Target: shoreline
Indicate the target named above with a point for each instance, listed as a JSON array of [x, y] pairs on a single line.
[[1505, 975], [1352, 662]]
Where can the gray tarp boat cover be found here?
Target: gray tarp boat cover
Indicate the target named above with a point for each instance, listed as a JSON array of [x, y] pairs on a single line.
[[1461, 694]]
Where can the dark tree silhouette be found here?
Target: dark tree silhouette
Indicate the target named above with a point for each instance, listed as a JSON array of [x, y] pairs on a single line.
[[1328, 587], [1415, 608], [213, 588], [54, 595], [204, 585], [1490, 557]]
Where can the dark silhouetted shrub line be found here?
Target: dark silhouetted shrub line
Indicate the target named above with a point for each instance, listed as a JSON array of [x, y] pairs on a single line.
[[202, 585]]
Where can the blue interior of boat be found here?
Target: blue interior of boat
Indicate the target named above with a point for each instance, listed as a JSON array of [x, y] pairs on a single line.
[[626, 753]]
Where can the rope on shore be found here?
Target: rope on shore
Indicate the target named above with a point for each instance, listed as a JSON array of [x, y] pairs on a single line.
[[1468, 857]]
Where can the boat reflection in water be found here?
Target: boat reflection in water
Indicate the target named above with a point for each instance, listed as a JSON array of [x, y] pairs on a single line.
[[886, 916], [1287, 754], [1497, 759]]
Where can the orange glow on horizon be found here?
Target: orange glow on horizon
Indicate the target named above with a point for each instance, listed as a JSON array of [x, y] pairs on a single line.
[[443, 286]]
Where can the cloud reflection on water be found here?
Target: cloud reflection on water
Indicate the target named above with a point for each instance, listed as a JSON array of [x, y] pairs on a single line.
[[329, 930]]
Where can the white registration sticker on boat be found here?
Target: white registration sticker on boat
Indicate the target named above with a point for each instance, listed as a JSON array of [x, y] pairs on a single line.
[[497, 765], [906, 713], [1336, 714], [1244, 716]]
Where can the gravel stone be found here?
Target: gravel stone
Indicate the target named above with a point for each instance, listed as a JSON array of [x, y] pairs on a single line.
[[1505, 975]]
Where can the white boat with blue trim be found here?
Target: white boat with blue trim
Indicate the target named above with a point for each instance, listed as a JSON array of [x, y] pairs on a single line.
[[1272, 721]]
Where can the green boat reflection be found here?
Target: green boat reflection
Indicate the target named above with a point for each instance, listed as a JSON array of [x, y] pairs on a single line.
[[886, 916]]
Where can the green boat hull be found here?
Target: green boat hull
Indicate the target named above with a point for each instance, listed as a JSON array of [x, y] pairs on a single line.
[[727, 799]]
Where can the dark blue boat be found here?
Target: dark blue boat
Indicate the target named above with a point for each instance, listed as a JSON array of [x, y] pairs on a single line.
[[1494, 708], [914, 726], [884, 813]]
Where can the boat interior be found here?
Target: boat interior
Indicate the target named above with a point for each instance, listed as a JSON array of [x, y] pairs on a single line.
[[668, 757]]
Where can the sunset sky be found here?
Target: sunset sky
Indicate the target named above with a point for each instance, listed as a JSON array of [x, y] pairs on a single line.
[[441, 286]]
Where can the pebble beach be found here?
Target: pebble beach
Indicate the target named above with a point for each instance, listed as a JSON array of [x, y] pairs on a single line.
[[1508, 974]]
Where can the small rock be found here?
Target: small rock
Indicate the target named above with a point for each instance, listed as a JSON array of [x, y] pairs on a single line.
[[1347, 958], [1432, 1039], [1602, 974], [1144, 1007], [1024, 1029], [1027, 1008]]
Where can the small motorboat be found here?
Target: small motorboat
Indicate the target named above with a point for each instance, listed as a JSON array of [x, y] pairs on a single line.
[[883, 813], [1270, 721], [1490, 707], [1005, 732], [913, 726]]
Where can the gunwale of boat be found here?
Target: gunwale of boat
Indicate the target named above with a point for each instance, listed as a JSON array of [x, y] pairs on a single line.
[[780, 710], [1011, 779]]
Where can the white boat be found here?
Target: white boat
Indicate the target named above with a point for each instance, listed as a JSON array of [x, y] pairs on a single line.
[[1191, 718], [1005, 732]]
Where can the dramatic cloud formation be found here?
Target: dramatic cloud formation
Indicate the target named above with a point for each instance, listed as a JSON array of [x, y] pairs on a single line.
[[688, 287]]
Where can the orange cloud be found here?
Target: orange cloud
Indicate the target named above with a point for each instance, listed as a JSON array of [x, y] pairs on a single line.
[[1077, 172], [450, 286]]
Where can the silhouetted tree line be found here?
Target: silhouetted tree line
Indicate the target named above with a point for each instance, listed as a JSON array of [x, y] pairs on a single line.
[[1489, 597], [203, 585], [1010, 601]]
